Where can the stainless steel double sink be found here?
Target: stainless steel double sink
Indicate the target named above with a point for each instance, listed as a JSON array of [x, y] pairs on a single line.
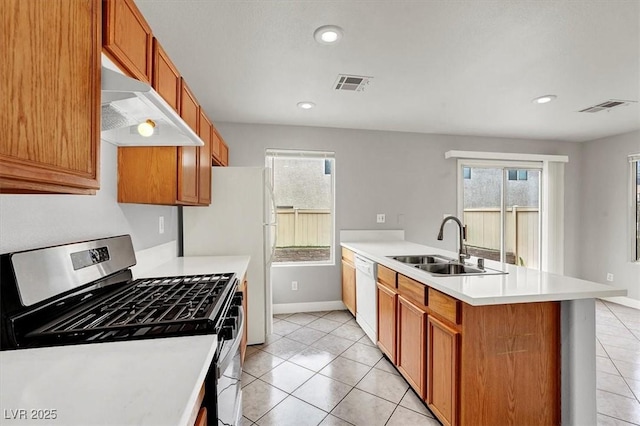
[[436, 264]]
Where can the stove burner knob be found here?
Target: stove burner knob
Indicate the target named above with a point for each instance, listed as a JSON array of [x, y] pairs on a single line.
[[231, 322], [227, 332]]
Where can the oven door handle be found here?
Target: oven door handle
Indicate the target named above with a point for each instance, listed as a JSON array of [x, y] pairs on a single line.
[[230, 351]]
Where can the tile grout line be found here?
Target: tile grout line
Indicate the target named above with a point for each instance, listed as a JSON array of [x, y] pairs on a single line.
[[624, 379], [371, 368]]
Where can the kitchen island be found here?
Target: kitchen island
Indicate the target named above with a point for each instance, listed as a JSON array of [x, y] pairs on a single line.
[[141, 382], [503, 348]]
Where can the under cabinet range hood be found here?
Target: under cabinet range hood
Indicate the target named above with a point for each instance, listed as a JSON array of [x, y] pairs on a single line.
[[128, 103]]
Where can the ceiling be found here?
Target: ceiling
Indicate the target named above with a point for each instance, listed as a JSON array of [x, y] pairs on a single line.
[[438, 66]]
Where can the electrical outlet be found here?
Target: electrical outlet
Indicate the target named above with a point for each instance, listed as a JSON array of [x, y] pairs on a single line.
[[610, 277], [294, 285], [380, 218], [161, 224]]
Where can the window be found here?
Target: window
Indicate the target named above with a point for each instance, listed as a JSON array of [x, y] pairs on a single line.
[[635, 207], [501, 209], [518, 174], [466, 172], [548, 172], [304, 193]]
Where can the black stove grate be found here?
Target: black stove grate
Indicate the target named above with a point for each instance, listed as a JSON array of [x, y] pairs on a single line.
[[147, 307]]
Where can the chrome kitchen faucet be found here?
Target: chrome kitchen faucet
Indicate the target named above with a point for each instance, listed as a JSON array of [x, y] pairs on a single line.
[[462, 252]]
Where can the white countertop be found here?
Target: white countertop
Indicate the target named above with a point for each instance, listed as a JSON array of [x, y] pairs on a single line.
[[520, 285], [194, 265], [141, 382]]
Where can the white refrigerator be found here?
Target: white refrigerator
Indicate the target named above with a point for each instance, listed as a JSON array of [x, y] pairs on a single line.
[[239, 221]]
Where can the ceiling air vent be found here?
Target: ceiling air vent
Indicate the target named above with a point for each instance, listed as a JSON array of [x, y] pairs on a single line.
[[606, 106], [351, 83]]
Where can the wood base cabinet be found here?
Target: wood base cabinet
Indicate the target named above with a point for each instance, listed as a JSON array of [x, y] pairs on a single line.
[[349, 280], [472, 365], [442, 367], [412, 344], [387, 313], [510, 364]]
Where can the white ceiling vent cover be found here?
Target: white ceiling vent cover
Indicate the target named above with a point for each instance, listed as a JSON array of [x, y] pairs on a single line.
[[351, 83], [608, 105]]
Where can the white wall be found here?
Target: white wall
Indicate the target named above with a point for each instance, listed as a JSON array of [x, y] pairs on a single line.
[[31, 221], [605, 234], [403, 175]]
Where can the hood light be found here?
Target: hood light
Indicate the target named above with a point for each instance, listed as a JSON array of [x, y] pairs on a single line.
[[146, 128], [544, 99], [328, 34]]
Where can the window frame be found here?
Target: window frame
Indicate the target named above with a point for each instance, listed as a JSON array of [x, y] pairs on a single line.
[[308, 154]]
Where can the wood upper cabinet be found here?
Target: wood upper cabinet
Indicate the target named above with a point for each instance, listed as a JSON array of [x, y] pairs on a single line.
[[224, 152], [443, 370], [387, 311], [205, 131], [188, 155], [348, 280], [127, 38], [219, 150], [166, 78], [50, 91], [412, 343], [159, 175]]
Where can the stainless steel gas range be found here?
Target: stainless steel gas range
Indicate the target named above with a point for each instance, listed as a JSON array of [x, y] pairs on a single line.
[[83, 293]]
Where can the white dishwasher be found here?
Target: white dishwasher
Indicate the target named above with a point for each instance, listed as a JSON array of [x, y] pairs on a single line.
[[366, 297]]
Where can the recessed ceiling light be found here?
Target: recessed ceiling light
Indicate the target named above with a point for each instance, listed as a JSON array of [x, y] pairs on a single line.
[[328, 34], [306, 105], [544, 99]]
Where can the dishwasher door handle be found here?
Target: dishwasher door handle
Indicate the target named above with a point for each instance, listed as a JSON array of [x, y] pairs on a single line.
[[364, 265]]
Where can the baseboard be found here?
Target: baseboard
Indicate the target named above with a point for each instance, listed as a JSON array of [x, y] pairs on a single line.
[[626, 301], [292, 308]]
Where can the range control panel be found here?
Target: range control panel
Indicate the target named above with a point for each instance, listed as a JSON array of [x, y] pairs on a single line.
[[82, 259]]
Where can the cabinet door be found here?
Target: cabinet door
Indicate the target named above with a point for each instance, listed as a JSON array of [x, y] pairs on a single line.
[[202, 420], [224, 153], [387, 309], [127, 38], [204, 161], [442, 382], [412, 342], [349, 286], [166, 78], [188, 155], [147, 175], [50, 91], [215, 147]]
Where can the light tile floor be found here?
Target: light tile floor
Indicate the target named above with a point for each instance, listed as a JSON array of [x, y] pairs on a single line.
[[617, 364], [320, 368]]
